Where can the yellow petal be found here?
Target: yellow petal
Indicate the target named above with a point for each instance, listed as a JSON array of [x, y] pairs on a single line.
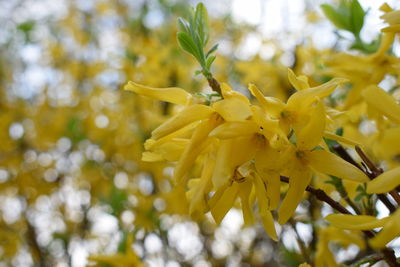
[[273, 189], [311, 134], [306, 97], [227, 93], [235, 129], [387, 234], [225, 203], [244, 194], [223, 168], [324, 257], [392, 17], [217, 195], [269, 104], [152, 156], [186, 116], [391, 29], [385, 8], [300, 177], [173, 150], [232, 153], [389, 145], [341, 139], [272, 183], [270, 127], [385, 182], [268, 224], [328, 163], [233, 109], [383, 102], [261, 193], [172, 94], [268, 163], [185, 132], [193, 149], [298, 82], [390, 231], [386, 42], [243, 150], [345, 238], [355, 222], [198, 204]]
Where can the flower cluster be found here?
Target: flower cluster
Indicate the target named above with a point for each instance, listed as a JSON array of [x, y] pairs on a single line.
[[242, 148]]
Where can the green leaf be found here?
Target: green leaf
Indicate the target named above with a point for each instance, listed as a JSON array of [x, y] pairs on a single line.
[[209, 61], [26, 26], [330, 143], [290, 257], [212, 50], [187, 44], [357, 16], [74, 130], [117, 201], [338, 19], [194, 36], [122, 243], [340, 131], [201, 23], [368, 48], [183, 25], [349, 16]]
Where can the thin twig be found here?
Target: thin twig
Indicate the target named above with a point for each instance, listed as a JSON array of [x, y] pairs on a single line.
[[368, 162], [341, 151], [214, 84], [374, 172], [322, 196], [302, 245], [395, 196], [371, 260], [32, 241]]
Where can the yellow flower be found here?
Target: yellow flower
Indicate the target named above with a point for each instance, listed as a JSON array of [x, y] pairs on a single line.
[[303, 162], [324, 256], [244, 181], [392, 17], [172, 95], [385, 182], [243, 149], [382, 102], [309, 131], [390, 226]]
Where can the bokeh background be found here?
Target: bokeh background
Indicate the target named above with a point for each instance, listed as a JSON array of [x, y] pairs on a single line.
[[71, 180]]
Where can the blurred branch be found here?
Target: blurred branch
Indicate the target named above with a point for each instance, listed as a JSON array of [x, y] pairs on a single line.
[[34, 245]]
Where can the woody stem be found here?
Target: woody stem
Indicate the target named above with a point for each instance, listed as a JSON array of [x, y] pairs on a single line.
[[375, 171], [214, 84]]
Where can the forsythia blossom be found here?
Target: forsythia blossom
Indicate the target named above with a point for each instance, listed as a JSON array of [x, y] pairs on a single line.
[[243, 148]]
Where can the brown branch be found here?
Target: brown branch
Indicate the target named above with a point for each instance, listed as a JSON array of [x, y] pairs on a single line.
[[322, 196], [339, 149], [34, 245], [300, 242], [374, 172], [368, 162], [395, 196], [214, 84]]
